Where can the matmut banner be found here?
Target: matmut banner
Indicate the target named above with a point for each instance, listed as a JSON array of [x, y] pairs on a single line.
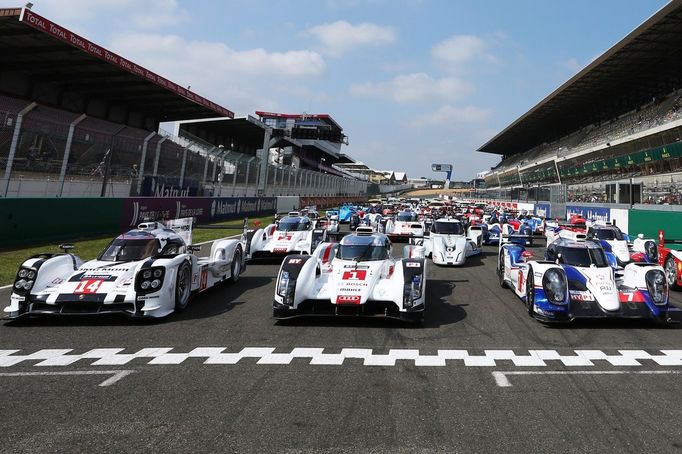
[[40, 23], [204, 209]]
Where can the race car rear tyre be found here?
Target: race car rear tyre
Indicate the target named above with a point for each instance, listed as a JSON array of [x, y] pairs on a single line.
[[500, 270], [530, 292], [671, 272], [236, 265], [183, 286]]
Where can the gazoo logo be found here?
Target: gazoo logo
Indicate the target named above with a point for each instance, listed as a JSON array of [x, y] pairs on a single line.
[[354, 275]]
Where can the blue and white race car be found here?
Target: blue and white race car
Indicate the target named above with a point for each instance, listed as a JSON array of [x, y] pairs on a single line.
[[578, 279]]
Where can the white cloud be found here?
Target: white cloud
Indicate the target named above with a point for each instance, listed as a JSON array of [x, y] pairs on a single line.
[[417, 87], [340, 37], [145, 15], [241, 80], [458, 50], [452, 117]]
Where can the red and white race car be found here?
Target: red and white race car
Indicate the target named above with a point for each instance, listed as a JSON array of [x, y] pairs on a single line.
[[357, 277], [292, 234]]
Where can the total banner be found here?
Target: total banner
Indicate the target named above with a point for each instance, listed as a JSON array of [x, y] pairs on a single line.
[[543, 209], [204, 209]]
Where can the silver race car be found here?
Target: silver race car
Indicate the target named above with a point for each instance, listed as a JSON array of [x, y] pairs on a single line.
[[146, 272]]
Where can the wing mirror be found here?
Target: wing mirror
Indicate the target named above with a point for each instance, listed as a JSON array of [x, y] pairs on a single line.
[[66, 247], [526, 255]]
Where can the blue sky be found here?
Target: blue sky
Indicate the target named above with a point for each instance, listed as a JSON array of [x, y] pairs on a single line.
[[412, 82]]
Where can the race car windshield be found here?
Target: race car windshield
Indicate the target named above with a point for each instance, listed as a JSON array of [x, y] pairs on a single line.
[[609, 234], [448, 228], [289, 225], [583, 257], [363, 252], [406, 217], [128, 250]]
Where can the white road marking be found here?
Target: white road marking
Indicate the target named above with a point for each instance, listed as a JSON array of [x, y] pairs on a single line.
[[502, 380], [116, 374], [321, 356], [6, 286]]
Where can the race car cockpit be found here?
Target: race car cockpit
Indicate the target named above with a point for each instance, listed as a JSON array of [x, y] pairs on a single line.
[[294, 224], [365, 248]]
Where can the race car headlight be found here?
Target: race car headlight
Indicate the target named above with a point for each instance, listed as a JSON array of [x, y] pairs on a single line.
[[286, 287], [651, 251], [150, 279], [413, 290], [554, 285], [24, 280], [657, 286]]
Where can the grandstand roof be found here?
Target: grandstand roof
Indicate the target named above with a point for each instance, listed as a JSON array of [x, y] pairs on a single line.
[[41, 59], [646, 63]]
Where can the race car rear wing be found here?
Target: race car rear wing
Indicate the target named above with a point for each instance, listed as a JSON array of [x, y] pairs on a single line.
[[662, 240]]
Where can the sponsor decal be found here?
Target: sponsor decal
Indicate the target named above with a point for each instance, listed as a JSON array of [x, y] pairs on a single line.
[[413, 265], [358, 267], [203, 284], [579, 295], [348, 299], [295, 261], [280, 250], [282, 237]]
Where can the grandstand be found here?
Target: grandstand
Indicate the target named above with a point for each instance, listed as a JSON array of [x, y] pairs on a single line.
[[79, 120], [609, 134]]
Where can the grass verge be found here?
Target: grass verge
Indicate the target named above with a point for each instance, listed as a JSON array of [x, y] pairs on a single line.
[[89, 249]]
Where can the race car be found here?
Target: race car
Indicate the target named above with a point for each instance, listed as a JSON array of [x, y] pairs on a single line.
[[577, 279], [404, 226], [448, 243], [356, 277], [498, 232], [671, 260], [292, 234], [612, 240], [345, 213], [146, 272]]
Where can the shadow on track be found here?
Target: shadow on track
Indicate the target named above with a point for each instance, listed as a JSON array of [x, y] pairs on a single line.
[[215, 301]]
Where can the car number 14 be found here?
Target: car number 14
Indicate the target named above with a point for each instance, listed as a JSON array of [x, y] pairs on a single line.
[[88, 286]]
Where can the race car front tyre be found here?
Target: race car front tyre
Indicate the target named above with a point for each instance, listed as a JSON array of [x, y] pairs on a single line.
[[671, 272], [530, 292], [500, 270], [183, 286], [236, 265]]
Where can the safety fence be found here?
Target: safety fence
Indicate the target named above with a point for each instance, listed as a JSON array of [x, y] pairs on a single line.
[[47, 152]]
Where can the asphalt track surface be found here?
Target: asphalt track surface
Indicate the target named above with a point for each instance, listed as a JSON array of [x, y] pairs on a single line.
[[478, 376]]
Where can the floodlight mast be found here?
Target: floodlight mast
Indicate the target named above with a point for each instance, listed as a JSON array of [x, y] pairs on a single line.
[[447, 169]]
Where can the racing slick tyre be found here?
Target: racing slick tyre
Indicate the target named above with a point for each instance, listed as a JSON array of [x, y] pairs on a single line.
[[500, 270], [671, 272], [183, 286], [236, 265], [530, 292]]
